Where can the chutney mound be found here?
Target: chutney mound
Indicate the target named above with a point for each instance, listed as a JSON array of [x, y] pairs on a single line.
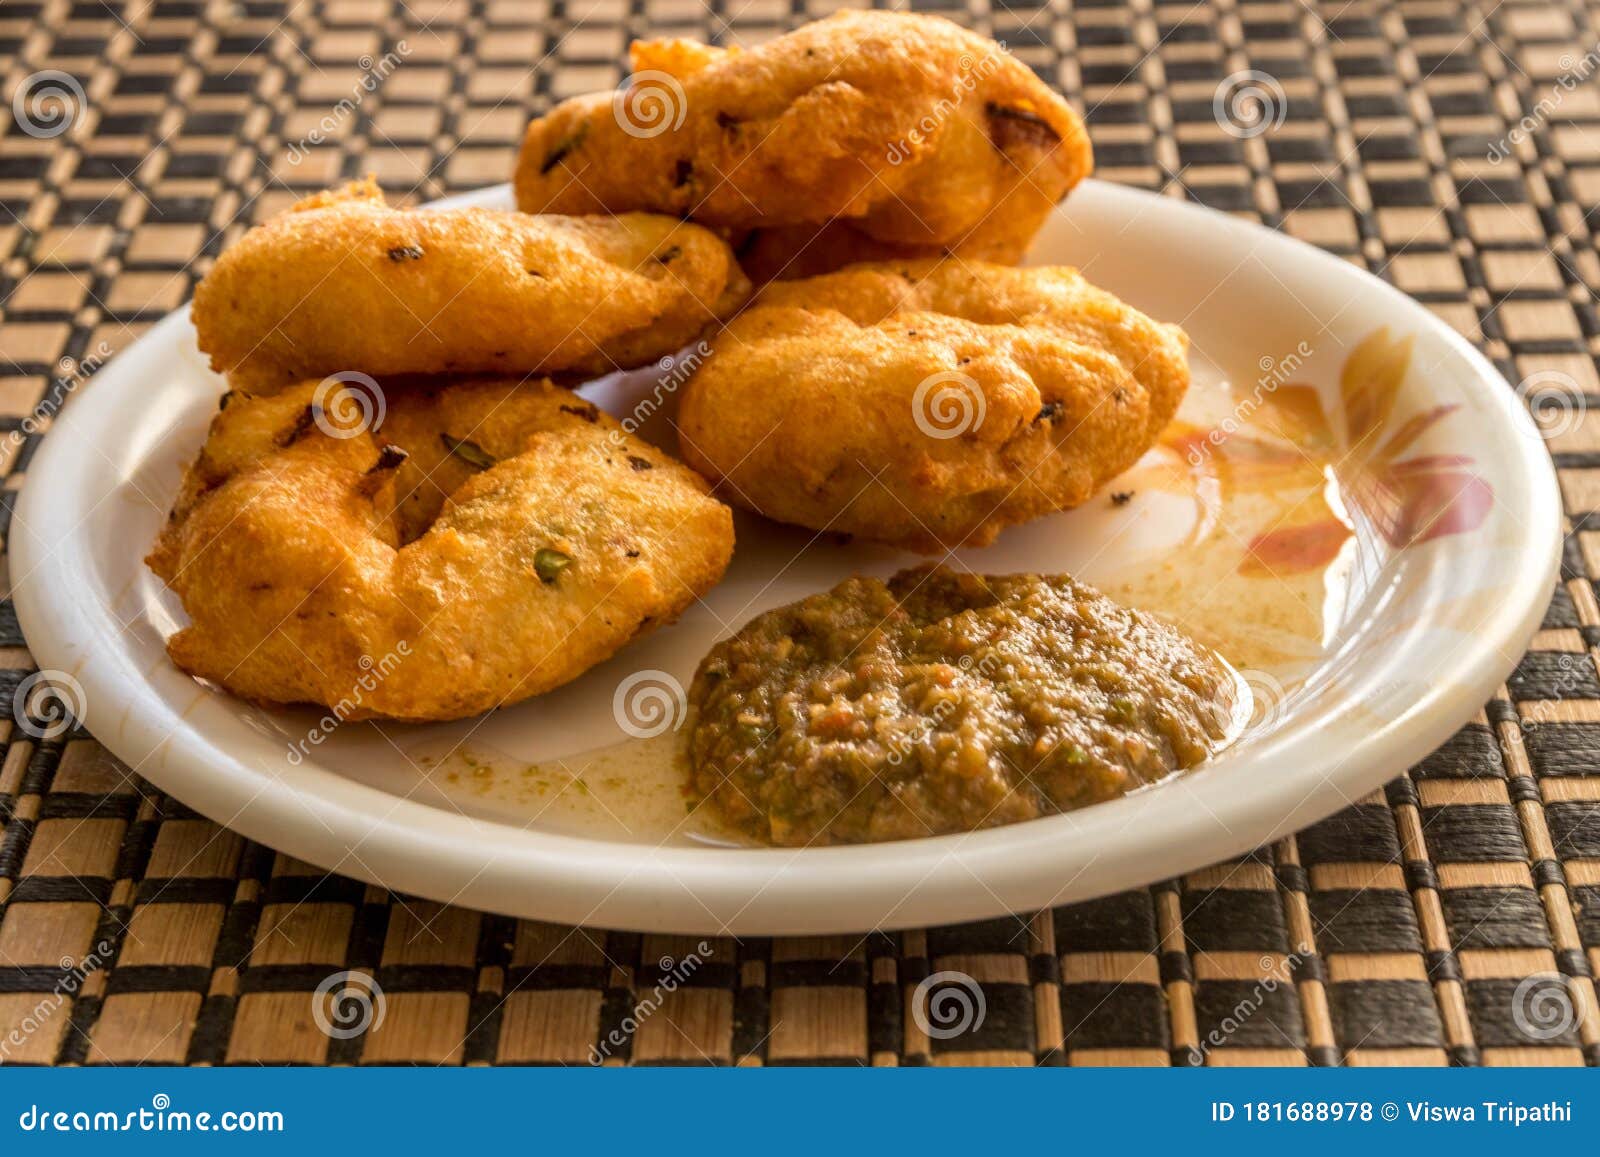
[[943, 702]]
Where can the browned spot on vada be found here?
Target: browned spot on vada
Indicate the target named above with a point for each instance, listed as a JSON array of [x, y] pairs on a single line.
[[929, 404], [500, 537]]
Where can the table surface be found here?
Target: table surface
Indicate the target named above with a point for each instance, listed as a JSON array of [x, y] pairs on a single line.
[[1454, 917]]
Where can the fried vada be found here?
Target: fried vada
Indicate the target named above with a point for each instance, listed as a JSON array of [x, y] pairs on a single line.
[[920, 135], [929, 404], [343, 282], [488, 542]]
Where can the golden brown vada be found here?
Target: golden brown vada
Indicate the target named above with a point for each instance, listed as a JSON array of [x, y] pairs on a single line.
[[929, 404], [922, 134], [490, 541], [343, 282]]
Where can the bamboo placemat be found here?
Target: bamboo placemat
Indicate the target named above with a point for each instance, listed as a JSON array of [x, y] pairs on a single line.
[[1452, 918]]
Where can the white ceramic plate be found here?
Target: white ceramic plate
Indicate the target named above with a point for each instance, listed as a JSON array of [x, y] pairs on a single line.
[[1419, 628]]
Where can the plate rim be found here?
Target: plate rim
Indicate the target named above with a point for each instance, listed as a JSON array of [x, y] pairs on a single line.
[[412, 845]]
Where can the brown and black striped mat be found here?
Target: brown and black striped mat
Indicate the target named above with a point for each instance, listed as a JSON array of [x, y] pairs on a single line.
[[1454, 918]]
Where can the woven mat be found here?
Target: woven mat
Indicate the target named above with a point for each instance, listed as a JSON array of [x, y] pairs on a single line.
[[1452, 918]]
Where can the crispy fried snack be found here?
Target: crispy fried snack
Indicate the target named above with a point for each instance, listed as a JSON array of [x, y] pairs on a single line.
[[929, 404], [923, 135], [343, 282], [488, 543]]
